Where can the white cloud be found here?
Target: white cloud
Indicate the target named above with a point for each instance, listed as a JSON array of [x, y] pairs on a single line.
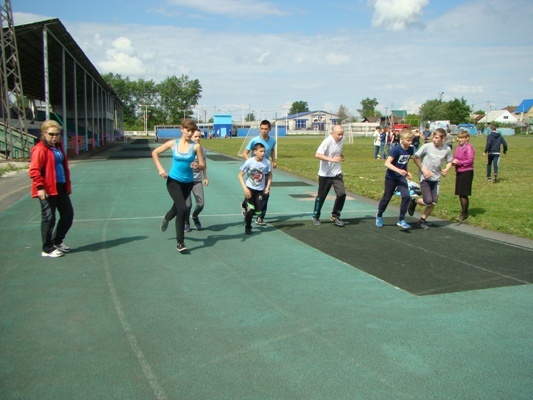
[[337, 58], [396, 15], [232, 8], [465, 89], [122, 57]]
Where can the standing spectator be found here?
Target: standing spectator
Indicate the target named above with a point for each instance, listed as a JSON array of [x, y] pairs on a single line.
[[51, 184], [396, 177], [416, 139], [429, 159], [382, 141], [377, 142], [449, 139], [330, 174], [270, 154], [388, 140], [464, 167], [426, 134], [494, 143], [180, 179]]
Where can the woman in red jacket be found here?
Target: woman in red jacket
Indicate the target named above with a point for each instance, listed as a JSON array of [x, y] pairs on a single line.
[[51, 185]]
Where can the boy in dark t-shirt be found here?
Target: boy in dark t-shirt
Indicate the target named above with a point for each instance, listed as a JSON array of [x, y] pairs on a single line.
[[396, 177]]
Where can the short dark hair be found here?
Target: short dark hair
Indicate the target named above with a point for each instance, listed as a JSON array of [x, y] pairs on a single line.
[[265, 122], [258, 146]]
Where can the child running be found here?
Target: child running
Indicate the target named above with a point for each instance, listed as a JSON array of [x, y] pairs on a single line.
[[258, 171], [429, 160], [396, 177]]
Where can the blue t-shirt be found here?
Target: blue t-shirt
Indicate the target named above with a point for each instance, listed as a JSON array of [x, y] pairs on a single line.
[[400, 160], [181, 164], [269, 144], [60, 170]]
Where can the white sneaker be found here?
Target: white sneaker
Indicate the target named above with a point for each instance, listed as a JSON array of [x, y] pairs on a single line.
[[62, 247], [54, 254]]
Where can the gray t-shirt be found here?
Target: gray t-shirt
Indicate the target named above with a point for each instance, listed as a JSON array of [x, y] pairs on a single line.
[[432, 159]]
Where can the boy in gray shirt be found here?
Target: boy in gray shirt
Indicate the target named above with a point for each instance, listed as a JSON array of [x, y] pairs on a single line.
[[429, 160]]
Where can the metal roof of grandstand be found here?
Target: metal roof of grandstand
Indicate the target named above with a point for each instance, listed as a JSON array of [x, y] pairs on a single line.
[[31, 60]]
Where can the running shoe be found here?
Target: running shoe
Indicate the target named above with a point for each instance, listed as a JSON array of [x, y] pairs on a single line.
[[403, 224], [379, 221], [62, 247], [53, 254], [422, 224], [337, 221]]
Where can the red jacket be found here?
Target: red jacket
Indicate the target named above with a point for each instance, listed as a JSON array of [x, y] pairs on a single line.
[[43, 170]]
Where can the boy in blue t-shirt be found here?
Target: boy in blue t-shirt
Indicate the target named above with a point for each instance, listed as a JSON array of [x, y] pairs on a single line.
[[396, 177], [258, 171]]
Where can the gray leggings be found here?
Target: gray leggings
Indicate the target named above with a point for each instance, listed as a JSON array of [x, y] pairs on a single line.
[[198, 192]]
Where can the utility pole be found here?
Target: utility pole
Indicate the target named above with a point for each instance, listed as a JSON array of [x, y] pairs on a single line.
[[145, 115], [10, 75]]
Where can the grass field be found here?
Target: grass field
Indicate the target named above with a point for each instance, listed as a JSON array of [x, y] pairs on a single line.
[[504, 207]]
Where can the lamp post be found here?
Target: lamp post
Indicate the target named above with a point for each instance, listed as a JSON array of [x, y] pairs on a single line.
[[145, 114]]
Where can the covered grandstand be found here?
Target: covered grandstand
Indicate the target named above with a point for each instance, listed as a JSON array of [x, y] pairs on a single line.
[[61, 83]]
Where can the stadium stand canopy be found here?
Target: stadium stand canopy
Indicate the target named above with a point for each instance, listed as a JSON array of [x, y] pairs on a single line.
[[76, 94]]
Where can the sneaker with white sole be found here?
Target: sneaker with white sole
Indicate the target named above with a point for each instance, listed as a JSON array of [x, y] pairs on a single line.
[[62, 247], [337, 221], [316, 221], [379, 222], [53, 254], [197, 223], [259, 221], [422, 224], [181, 247], [403, 224]]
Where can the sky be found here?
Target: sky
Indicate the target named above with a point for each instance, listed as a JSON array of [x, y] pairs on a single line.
[[261, 56]]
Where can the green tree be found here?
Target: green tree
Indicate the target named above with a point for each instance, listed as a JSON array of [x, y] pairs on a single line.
[[177, 96], [250, 117], [124, 88], [299, 107], [368, 107], [433, 110], [458, 111], [342, 114]]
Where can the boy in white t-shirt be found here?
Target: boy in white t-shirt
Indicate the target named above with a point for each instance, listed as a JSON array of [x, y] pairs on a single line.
[[258, 171], [330, 174]]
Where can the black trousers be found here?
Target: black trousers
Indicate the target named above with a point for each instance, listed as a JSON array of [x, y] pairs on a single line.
[[61, 202], [324, 185], [253, 206], [179, 191], [390, 188]]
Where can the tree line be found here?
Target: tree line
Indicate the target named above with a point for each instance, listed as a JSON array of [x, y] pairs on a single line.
[[172, 100], [164, 103]]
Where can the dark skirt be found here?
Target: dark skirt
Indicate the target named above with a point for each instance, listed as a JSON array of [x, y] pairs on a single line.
[[463, 183]]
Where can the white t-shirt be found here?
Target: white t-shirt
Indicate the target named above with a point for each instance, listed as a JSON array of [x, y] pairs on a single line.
[[330, 148]]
